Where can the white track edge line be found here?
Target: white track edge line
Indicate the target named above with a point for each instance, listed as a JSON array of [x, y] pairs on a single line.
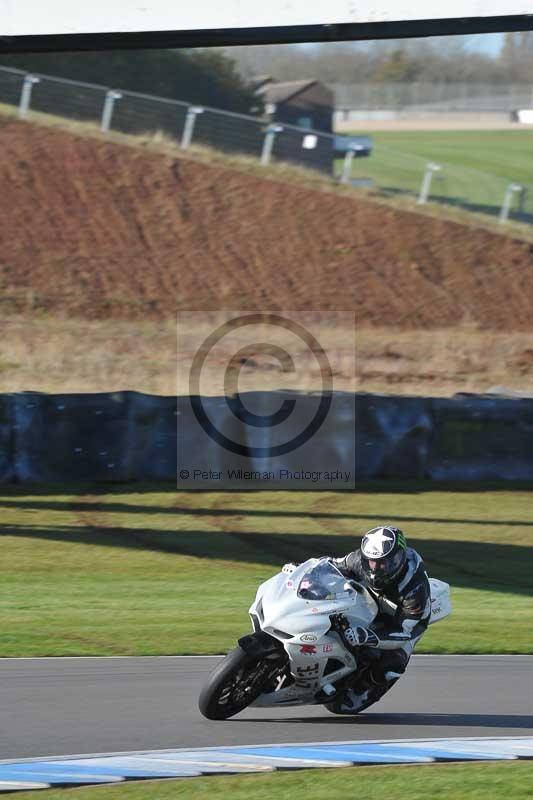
[[126, 753]]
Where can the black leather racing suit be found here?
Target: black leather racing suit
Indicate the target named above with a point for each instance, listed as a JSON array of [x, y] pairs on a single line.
[[404, 611]]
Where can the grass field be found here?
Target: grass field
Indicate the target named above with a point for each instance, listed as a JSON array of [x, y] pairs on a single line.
[[49, 354], [451, 781], [139, 570], [477, 166]]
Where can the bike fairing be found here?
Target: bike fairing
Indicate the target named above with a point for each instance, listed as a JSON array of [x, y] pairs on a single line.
[[268, 668]]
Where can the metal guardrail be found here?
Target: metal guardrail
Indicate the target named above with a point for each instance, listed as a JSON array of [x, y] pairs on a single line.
[[136, 113], [389, 172]]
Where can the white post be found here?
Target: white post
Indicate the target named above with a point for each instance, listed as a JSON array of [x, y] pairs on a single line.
[[347, 166], [426, 183], [107, 114], [268, 143], [188, 128], [25, 95], [508, 199]]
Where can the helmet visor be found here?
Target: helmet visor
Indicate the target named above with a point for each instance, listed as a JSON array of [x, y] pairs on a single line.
[[387, 566]]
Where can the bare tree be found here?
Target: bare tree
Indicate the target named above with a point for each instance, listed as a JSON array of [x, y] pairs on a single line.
[[441, 59]]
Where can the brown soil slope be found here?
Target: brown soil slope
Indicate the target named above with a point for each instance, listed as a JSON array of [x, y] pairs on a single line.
[[94, 228]]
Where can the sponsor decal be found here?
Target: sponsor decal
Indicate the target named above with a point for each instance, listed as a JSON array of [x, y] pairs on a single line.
[[290, 584], [308, 649], [316, 611], [378, 543], [327, 648], [306, 676], [308, 637], [309, 671]]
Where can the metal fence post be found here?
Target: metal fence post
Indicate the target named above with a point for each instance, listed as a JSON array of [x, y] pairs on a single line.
[[107, 114], [508, 199], [426, 183], [188, 127], [25, 95], [268, 143], [347, 165]]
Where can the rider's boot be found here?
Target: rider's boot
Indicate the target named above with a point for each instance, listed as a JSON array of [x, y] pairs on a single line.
[[352, 702]]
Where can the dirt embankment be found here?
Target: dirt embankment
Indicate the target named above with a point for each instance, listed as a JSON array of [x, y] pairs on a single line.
[[95, 229]]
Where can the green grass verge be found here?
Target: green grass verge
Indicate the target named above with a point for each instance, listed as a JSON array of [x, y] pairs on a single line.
[[147, 570], [477, 166], [449, 781]]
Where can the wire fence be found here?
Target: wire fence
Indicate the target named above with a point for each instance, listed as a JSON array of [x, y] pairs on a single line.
[[388, 172], [402, 174], [135, 113], [433, 97]]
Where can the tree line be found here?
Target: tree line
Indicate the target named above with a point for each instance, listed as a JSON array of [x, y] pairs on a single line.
[[219, 77], [438, 59], [204, 77]]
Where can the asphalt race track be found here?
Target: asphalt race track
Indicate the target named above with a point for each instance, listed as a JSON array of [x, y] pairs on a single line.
[[66, 706]]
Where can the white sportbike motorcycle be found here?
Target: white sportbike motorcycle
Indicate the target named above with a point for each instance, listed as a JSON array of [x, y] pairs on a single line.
[[296, 654]]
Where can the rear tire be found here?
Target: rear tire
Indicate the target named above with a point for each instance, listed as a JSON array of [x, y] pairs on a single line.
[[235, 683]]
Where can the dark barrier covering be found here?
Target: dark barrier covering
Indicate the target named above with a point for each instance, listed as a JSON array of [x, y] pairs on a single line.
[[6, 438], [71, 437], [392, 436], [481, 437], [127, 436], [150, 446], [331, 449]]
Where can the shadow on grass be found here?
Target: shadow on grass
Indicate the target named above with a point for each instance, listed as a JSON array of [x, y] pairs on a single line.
[[485, 566], [378, 486], [310, 511], [516, 721], [517, 212]]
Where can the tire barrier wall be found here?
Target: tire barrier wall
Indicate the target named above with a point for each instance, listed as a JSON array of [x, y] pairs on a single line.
[[127, 436]]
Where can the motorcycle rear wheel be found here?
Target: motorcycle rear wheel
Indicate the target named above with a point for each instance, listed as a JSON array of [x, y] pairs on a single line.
[[236, 682]]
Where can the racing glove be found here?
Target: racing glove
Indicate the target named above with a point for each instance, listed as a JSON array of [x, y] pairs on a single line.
[[361, 637]]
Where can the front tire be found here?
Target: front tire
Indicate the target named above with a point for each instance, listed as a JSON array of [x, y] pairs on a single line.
[[236, 682]]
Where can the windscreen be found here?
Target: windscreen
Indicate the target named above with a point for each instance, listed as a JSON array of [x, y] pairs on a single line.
[[324, 582]]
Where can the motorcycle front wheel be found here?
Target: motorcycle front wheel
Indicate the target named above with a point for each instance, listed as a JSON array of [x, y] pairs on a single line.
[[236, 682]]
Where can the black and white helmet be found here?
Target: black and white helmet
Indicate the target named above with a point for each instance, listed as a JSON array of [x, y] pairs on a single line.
[[383, 556]]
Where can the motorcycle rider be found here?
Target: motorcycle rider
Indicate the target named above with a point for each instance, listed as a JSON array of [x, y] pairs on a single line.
[[396, 577]]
